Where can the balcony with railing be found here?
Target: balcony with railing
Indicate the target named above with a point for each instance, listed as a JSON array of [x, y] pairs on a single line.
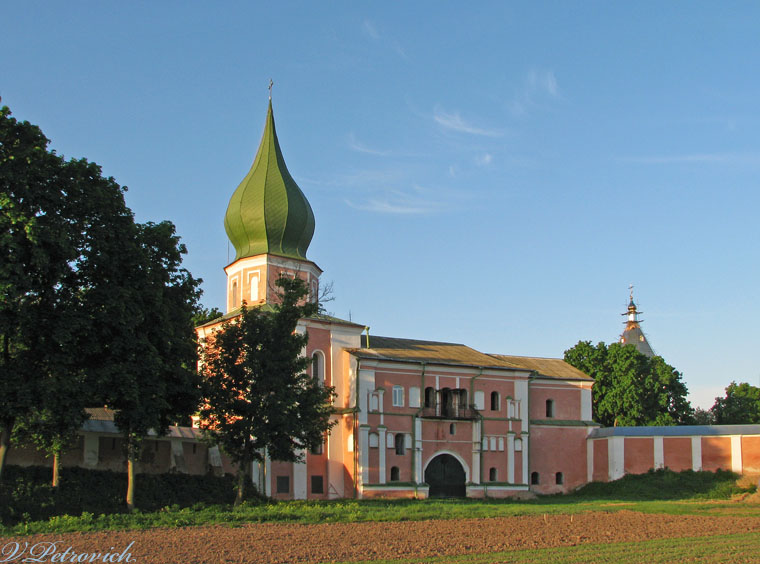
[[450, 412]]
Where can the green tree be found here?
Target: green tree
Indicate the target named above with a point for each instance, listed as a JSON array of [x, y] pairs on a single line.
[[630, 388], [741, 405], [149, 376], [204, 315], [258, 396], [51, 211], [94, 308]]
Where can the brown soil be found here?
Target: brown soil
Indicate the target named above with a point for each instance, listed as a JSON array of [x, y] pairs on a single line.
[[273, 543]]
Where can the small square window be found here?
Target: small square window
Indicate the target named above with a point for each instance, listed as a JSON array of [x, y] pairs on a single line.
[[283, 484], [317, 485]]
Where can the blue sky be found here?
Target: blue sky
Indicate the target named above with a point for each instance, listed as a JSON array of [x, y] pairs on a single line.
[[495, 174]]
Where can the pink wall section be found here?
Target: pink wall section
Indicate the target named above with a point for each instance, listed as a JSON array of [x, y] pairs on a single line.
[[544, 459], [601, 460], [639, 455], [751, 454], [567, 402], [716, 453], [677, 453]]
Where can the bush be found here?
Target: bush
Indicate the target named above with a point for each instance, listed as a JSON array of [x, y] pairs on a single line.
[[26, 494], [665, 484]]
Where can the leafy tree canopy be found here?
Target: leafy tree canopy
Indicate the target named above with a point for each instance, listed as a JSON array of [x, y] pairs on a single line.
[[258, 395], [630, 388], [94, 308], [741, 405]]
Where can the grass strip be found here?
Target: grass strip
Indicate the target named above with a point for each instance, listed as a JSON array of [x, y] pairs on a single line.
[[715, 549]]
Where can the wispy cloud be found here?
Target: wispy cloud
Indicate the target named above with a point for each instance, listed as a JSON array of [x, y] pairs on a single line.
[[360, 147], [698, 158], [416, 201], [370, 30], [538, 86], [484, 160], [455, 122]]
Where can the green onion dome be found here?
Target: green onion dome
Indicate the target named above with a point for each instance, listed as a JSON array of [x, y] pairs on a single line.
[[268, 213]]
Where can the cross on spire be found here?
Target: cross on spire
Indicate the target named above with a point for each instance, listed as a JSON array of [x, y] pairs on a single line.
[[271, 83]]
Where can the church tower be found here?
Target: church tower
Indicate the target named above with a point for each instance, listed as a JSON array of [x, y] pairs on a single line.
[[632, 334], [270, 223]]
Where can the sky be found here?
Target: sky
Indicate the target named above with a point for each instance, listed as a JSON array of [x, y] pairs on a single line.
[[493, 173]]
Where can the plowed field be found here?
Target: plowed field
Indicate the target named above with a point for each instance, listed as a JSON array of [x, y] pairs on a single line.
[[275, 543]]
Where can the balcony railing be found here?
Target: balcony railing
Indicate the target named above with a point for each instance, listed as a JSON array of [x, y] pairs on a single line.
[[450, 412]]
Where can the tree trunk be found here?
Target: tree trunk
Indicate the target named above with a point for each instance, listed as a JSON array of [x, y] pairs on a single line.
[[56, 467], [242, 477], [5, 443], [130, 482]]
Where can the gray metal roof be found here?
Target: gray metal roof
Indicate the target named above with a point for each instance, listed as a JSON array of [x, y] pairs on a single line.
[[675, 431]]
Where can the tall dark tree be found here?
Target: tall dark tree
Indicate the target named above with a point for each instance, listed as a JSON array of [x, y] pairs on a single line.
[[740, 405], [258, 396], [50, 212], [631, 388], [149, 377], [94, 308]]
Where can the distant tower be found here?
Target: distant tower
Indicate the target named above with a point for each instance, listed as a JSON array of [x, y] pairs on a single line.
[[632, 334]]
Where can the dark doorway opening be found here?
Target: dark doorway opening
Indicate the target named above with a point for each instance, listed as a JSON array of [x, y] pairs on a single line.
[[445, 476]]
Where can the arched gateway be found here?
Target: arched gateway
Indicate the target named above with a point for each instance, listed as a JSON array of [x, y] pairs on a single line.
[[445, 476]]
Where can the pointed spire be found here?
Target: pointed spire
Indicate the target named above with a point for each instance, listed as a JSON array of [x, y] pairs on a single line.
[[632, 334], [268, 213]]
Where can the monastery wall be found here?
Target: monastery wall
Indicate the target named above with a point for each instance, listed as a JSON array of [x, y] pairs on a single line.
[[617, 451]]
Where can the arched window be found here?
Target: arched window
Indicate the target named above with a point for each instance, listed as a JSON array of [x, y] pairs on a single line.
[[494, 401], [318, 449], [550, 408], [429, 397], [559, 478], [234, 294], [394, 474], [399, 443], [452, 429], [462, 398], [447, 403], [318, 367], [493, 475], [534, 478]]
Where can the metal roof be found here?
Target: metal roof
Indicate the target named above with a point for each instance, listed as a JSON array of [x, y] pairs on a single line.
[[436, 352]]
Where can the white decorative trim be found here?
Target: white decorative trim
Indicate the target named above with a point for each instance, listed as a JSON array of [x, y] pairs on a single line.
[[616, 457], [696, 453], [736, 454], [659, 453], [299, 477]]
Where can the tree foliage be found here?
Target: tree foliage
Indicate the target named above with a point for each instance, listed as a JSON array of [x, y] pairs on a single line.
[[56, 220], [258, 396], [95, 309], [631, 388], [740, 405]]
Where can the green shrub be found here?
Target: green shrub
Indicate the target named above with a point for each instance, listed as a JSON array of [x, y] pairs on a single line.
[[665, 484], [26, 494]]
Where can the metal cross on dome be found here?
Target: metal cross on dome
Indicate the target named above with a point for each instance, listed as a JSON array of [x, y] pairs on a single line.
[[271, 83]]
